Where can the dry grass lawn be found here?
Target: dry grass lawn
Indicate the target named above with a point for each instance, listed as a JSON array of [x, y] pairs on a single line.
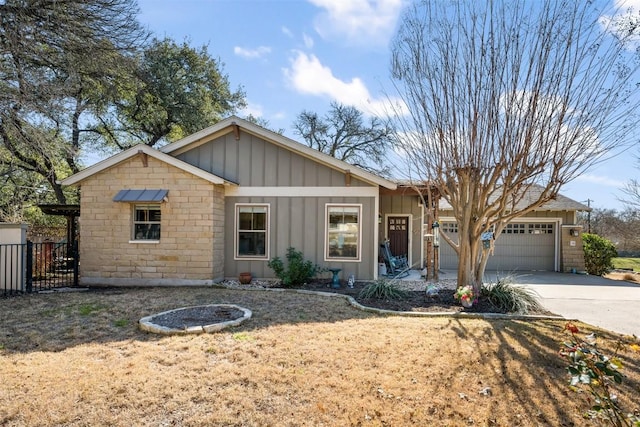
[[79, 359], [628, 276]]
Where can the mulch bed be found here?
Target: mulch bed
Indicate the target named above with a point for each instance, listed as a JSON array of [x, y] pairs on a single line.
[[416, 301], [197, 316]]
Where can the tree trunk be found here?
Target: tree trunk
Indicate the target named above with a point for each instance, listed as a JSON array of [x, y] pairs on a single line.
[[470, 267]]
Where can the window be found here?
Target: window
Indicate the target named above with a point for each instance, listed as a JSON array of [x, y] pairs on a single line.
[[146, 222], [544, 228], [514, 228], [343, 232], [449, 227], [251, 231]]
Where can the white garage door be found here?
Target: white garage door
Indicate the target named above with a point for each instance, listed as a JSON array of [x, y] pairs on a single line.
[[521, 246]]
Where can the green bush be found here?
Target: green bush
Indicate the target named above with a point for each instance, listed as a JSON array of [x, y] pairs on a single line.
[[383, 289], [598, 254], [511, 298], [298, 270]]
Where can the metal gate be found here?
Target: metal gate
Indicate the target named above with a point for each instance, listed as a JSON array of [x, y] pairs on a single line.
[[32, 267]]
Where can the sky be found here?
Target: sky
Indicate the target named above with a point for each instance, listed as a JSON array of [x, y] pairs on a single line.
[[295, 55]]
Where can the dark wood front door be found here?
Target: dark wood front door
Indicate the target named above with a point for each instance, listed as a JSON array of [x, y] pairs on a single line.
[[398, 234]]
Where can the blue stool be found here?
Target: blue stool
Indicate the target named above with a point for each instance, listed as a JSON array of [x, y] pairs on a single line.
[[335, 283]]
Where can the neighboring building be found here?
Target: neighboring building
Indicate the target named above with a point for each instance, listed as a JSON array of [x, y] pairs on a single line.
[[229, 198]]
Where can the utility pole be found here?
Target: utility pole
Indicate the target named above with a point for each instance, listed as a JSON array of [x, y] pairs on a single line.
[[588, 201]]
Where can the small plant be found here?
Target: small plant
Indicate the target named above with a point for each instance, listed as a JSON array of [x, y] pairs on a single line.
[[242, 336], [598, 254], [298, 271], [590, 368], [87, 309], [121, 323], [383, 289], [464, 294], [511, 298]]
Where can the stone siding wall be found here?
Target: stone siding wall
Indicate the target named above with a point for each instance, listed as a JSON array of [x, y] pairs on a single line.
[[572, 252], [190, 250]]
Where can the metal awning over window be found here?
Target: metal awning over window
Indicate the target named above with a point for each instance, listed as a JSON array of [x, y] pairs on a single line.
[[146, 195]]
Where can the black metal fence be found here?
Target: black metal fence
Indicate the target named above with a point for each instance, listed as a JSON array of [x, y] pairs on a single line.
[[33, 267]]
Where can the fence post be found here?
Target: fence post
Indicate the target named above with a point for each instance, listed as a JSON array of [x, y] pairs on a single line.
[[76, 263], [29, 264]]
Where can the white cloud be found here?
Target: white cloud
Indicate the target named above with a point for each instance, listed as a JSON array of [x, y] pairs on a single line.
[[308, 41], [258, 52], [287, 32], [252, 109], [623, 22], [308, 76], [601, 180], [362, 22]]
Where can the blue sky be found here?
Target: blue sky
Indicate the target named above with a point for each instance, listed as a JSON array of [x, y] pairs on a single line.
[[294, 55]]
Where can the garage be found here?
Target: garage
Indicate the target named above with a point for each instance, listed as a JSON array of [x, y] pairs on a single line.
[[521, 246]]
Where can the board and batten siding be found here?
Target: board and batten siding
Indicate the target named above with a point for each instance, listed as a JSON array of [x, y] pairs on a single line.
[[254, 162], [300, 222], [297, 190]]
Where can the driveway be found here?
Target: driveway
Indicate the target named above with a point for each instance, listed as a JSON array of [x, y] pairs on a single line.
[[609, 304]]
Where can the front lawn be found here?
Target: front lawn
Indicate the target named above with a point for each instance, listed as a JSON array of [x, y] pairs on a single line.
[[626, 263], [78, 359]]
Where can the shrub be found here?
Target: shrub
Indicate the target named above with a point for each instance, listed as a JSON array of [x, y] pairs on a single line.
[[298, 270], [598, 253], [599, 374], [511, 298], [383, 289]]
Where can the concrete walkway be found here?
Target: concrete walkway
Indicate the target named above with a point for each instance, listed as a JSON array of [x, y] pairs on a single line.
[[609, 304]]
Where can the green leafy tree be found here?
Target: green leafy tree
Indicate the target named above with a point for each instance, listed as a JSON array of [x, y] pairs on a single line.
[[345, 134], [78, 76], [598, 253], [55, 57], [176, 90]]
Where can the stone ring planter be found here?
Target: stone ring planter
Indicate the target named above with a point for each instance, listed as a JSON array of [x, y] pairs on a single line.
[[196, 319]]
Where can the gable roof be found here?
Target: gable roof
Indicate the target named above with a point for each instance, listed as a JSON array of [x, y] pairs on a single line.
[[144, 150], [233, 123], [560, 203]]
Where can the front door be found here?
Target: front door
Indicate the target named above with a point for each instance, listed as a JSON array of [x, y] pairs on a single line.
[[398, 235]]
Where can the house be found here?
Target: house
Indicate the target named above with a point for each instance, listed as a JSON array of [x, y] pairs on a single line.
[[227, 199], [546, 239]]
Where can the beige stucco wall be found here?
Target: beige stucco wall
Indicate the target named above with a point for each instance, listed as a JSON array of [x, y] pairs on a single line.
[[190, 250]]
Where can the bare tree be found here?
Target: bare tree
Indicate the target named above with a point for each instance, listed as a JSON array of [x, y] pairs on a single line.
[[507, 102], [344, 134], [632, 192]]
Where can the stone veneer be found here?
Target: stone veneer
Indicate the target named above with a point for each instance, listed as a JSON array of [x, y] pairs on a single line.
[[572, 253], [190, 250]]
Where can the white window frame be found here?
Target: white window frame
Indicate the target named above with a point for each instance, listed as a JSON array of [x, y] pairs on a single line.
[[328, 258], [145, 206], [236, 231]]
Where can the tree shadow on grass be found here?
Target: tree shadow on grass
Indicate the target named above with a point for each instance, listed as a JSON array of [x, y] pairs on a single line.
[[525, 356], [517, 360]]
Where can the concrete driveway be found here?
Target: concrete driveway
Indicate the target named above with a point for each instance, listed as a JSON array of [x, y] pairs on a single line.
[[609, 304]]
